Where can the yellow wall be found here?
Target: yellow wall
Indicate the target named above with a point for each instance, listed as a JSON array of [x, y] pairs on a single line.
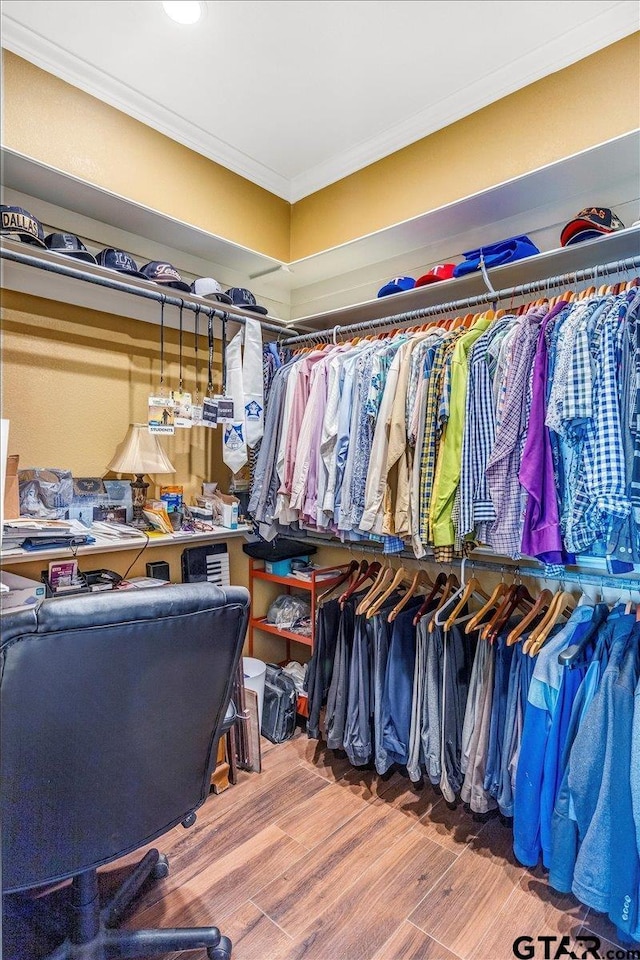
[[73, 380], [60, 125], [585, 104]]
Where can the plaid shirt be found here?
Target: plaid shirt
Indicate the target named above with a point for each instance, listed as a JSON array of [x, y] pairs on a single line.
[[434, 408], [474, 504], [601, 497], [504, 461]]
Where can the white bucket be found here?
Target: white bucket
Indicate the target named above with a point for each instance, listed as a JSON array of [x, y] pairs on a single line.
[[254, 672]]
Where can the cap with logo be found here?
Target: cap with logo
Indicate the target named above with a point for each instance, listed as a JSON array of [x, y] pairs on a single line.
[[70, 245], [166, 273], [397, 285], [209, 288], [589, 224], [21, 225], [242, 297], [120, 261], [443, 271]]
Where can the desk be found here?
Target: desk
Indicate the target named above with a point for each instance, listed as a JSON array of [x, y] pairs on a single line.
[[118, 555]]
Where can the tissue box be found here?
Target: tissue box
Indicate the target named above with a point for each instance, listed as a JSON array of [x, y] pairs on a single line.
[[22, 593], [279, 568]]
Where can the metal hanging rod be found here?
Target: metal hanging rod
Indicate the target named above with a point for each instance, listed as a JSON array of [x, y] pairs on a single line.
[[527, 567], [66, 271], [598, 272]]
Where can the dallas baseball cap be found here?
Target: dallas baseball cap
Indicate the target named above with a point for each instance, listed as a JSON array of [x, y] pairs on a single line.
[[396, 285], [241, 297], [120, 261], [161, 272], [70, 245], [444, 271], [589, 224], [209, 288], [21, 225]]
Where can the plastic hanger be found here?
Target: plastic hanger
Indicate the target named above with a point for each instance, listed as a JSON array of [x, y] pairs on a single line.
[[419, 578], [450, 586]]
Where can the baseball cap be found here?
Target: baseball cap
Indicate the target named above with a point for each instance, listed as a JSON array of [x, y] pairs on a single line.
[[21, 225], [444, 271], [396, 285], [161, 272], [70, 245], [241, 297], [120, 261], [589, 224], [209, 288]]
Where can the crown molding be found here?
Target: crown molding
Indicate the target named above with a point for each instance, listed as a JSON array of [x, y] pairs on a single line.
[[80, 73], [585, 39]]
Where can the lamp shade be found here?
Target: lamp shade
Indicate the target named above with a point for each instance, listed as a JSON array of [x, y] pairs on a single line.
[[140, 452]]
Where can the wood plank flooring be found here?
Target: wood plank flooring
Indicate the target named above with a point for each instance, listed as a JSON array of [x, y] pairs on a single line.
[[315, 860]]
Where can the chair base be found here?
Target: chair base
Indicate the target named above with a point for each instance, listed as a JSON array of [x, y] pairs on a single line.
[[92, 935]]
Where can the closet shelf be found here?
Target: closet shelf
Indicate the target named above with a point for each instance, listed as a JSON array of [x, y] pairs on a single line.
[[260, 623]]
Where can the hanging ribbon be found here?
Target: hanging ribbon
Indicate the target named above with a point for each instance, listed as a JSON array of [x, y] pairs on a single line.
[[234, 445], [252, 383]]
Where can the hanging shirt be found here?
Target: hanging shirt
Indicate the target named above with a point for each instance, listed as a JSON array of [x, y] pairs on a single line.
[[451, 446]]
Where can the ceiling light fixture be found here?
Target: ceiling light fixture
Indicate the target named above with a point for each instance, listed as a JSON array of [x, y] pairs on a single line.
[[183, 11]]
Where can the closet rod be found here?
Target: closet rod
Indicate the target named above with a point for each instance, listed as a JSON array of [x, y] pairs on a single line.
[[535, 286], [507, 566], [113, 284]]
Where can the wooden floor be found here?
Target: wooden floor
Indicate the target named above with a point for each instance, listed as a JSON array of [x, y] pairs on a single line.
[[315, 859]]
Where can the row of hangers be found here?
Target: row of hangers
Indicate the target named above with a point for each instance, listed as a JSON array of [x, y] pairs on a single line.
[[469, 319], [540, 613]]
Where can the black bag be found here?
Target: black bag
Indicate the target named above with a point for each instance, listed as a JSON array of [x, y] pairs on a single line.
[[278, 549], [279, 708]]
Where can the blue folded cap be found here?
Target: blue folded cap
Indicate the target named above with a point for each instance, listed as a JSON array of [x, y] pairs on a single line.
[[495, 254], [397, 285]]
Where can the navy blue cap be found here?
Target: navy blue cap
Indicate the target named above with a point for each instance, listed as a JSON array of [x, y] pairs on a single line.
[[165, 273], [120, 261], [22, 225], [242, 297], [397, 285], [70, 245]]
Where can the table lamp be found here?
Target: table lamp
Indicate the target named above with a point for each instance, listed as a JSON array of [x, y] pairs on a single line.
[[140, 453]]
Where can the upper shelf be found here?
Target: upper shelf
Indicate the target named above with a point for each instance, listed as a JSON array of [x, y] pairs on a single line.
[[336, 285]]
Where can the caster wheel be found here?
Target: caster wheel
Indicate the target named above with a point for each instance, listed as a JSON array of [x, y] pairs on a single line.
[[222, 951], [161, 869]]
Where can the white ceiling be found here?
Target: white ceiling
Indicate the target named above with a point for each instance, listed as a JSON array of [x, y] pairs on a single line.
[[296, 95]]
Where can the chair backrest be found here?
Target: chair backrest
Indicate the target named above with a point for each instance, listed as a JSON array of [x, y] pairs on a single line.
[[111, 709]]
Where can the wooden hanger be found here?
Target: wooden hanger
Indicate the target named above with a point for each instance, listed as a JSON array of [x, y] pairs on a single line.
[[489, 606], [353, 566], [438, 586], [561, 604], [420, 578], [471, 588], [364, 573], [540, 606], [516, 596], [384, 577], [401, 573]]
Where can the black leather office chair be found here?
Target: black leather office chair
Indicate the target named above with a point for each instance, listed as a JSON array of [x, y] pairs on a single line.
[[112, 706]]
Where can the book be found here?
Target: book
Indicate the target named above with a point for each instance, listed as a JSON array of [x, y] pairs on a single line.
[[308, 574]]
